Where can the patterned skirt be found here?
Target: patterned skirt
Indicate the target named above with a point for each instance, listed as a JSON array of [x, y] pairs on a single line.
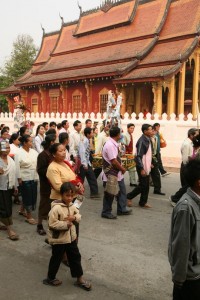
[[29, 194], [6, 207]]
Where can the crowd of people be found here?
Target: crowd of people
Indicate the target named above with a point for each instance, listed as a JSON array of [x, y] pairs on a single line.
[[58, 160]]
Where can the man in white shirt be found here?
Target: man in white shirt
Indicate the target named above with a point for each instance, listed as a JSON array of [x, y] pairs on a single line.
[[102, 138], [74, 140], [186, 152], [65, 127], [46, 126], [52, 125], [128, 141]]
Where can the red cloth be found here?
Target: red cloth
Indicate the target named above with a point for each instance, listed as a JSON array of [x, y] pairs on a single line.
[[78, 179], [129, 148]]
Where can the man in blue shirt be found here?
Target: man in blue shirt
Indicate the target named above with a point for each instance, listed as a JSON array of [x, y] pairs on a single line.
[[86, 167]]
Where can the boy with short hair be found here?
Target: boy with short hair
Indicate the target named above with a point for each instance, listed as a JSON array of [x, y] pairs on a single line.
[[62, 236]]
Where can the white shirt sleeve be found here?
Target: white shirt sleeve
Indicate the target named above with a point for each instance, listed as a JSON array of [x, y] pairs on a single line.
[[72, 145], [18, 172], [186, 151], [99, 144], [38, 144]]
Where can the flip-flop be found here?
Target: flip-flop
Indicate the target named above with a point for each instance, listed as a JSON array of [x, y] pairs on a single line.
[[31, 221], [16, 201], [54, 282], [41, 231], [86, 285], [22, 213], [3, 227], [13, 237]]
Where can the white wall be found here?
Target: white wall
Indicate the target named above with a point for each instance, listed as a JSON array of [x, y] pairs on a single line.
[[174, 129]]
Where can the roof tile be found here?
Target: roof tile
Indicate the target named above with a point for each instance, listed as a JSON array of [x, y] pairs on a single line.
[[146, 73], [166, 52], [147, 20], [99, 55], [48, 44], [100, 19], [98, 71], [183, 18]]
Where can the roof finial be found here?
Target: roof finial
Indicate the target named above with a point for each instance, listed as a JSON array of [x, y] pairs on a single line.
[[42, 29], [79, 7], [62, 19]]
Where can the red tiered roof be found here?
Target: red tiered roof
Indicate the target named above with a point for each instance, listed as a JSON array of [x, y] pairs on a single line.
[[137, 29], [178, 39], [151, 73], [80, 73], [47, 46], [83, 56], [156, 37], [10, 90], [95, 56], [183, 19], [117, 15]]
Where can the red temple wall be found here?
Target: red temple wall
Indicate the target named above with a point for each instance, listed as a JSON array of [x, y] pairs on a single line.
[[97, 87]]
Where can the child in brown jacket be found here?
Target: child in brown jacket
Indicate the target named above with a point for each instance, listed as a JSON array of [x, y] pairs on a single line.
[[62, 237]]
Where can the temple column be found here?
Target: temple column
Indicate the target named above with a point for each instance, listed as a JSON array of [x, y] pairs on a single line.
[[138, 101], [123, 107], [89, 106], [157, 91], [42, 91], [181, 90], [195, 86], [63, 89], [89, 109], [171, 97]]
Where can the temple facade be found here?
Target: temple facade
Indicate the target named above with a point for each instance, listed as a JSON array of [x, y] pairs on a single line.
[[146, 49]]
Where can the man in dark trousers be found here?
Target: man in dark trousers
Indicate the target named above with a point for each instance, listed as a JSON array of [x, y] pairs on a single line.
[[113, 176], [143, 166], [86, 168], [155, 174], [184, 242]]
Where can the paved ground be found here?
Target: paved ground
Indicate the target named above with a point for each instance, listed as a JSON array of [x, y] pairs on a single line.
[[125, 258]]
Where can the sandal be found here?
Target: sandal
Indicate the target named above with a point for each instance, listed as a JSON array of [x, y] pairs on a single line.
[[46, 241], [22, 213], [16, 201], [3, 227], [86, 285], [54, 282], [13, 237], [31, 221], [40, 230]]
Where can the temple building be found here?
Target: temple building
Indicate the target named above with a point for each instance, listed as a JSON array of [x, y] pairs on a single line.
[[146, 49]]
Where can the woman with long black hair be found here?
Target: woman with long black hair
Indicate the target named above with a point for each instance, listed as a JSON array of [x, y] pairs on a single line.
[[39, 138]]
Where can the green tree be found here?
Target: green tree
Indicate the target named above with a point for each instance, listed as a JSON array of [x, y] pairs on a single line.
[[3, 101], [21, 59]]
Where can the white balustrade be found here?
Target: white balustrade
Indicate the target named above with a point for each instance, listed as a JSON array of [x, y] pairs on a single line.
[[174, 129]]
